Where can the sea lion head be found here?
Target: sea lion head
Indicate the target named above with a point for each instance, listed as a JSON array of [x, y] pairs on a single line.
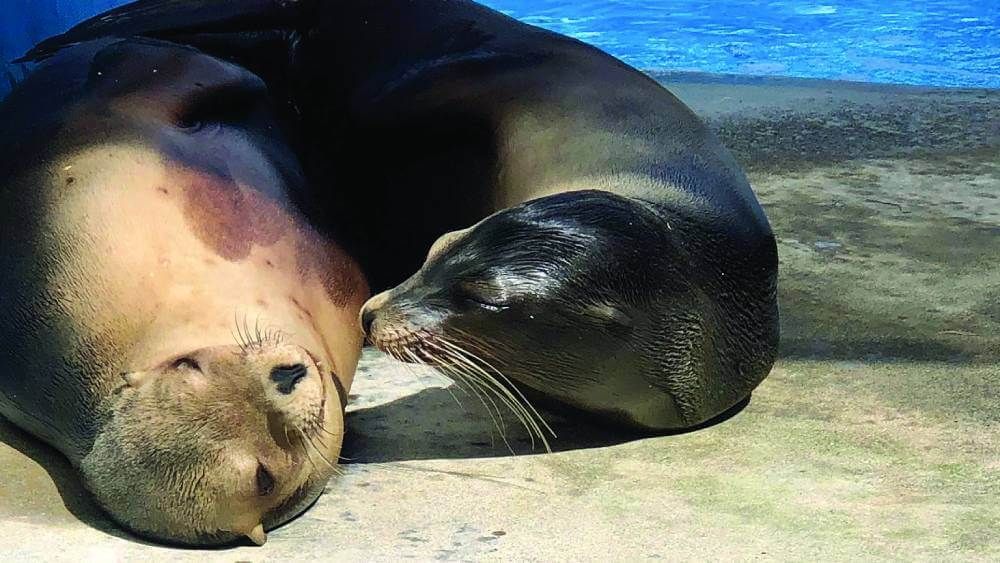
[[178, 329], [219, 443], [557, 294]]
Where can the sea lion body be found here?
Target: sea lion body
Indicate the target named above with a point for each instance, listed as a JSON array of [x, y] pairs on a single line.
[[169, 314], [617, 259]]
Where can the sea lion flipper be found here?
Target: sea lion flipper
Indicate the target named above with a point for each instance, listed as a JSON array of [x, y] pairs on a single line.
[[167, 18]]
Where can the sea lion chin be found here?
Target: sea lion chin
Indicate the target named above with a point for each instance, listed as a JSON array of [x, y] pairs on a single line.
[[176, 328]]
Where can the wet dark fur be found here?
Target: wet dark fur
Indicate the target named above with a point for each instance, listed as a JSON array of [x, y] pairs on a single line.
[[587, 297], [399, 110]]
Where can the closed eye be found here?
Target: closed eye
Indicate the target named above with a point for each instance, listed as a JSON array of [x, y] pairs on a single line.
[[481, 295], [186, 363], [213, 108], [265, 481]]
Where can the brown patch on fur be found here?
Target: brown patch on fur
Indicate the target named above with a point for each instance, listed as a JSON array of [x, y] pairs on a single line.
[[227, 217], [163, 190], [336, 271], [70, 180]]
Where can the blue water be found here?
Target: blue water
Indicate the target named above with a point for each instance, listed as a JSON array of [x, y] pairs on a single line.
[[932, 42]]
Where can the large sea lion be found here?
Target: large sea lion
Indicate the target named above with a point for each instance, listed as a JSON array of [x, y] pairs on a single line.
[[171, 323], [617, 261]]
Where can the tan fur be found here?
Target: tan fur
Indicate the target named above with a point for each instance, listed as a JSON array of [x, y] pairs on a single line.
[[130, 264], [162, 292]]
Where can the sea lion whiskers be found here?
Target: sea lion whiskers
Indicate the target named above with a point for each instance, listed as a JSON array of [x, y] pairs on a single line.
[[483, 347], [300, 437], [268, 334], [470, 340], [476, 373], [313, 429], [402, 353], [518, 403], [259, 337], [241, 341], [275, 335], [461, 369], [246, 329], [461, 366], [481, 391], [307, 442], [513, 405], [330, 434], [408, 366], [461, 374], [284, 428]]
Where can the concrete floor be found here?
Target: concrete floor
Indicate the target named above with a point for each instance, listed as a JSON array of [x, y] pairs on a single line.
[[877, 436]]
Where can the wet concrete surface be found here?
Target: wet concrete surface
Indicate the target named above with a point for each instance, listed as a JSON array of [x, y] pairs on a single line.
[[876, 437]]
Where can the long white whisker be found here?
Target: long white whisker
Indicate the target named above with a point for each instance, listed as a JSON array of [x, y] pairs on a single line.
[[305, 449], [486, 384], [511, 385], [476, 386], [509, 390], [416, 360], [308, 441]]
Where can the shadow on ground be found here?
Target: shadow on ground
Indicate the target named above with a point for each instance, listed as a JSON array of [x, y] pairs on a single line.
[[74, 497], [435, 423]]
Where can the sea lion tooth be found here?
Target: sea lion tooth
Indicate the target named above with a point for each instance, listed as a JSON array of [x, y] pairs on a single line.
[[257, 535]]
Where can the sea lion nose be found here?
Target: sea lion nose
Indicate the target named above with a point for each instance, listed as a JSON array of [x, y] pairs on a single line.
[[288, 376]]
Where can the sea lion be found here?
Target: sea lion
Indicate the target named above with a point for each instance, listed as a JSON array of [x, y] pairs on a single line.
[[618, 261], [171, 323]]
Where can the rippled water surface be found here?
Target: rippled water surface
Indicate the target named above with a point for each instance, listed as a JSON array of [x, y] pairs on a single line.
[[935, 42], [932, 42]]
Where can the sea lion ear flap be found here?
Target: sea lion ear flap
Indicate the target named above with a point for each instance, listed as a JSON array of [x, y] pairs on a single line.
[[444, 242], [257, 535]]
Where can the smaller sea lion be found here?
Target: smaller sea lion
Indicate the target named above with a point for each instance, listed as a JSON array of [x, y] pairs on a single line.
[[171, 323]]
